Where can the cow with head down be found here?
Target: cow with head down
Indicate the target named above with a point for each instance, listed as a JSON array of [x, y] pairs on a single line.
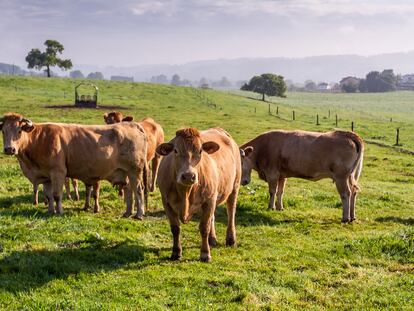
[[199, 171], [54, 151], [278, 155]]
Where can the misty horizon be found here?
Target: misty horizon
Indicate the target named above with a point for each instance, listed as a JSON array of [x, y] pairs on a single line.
[[143, 32]]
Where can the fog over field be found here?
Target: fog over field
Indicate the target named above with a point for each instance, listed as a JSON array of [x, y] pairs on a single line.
[[216, 38]]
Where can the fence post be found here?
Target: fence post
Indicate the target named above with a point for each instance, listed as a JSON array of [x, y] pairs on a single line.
[[390, 119], [269, 110], [336, 120], [352, 126], [397, 143], [277, 110], [254, 109], [317, 119], [64, 94], [293, 115], [329, 113]]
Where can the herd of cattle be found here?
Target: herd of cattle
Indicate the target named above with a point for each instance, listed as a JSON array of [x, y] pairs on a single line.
[[195, 171]]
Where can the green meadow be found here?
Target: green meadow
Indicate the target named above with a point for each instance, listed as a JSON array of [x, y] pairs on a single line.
[[302, 258]]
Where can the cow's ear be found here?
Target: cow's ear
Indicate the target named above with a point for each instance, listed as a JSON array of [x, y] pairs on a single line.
[[210, 147], [105, 116], [128, 119], [247, 151], [164, 149], [27, 128]]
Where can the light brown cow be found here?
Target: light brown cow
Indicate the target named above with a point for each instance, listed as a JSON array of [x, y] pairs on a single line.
[[155, 135], [28, 174], [200, 170], [53, 151], [278, 155]]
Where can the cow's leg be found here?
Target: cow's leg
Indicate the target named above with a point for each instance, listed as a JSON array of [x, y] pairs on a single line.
[[280, 189], [75, 185], [48, 196], [58, 180], [352, 205], [345, 192], [36, 194], [128, 200], [272, 192], [138, 191], [175, 230], [154, 170], [95, 194], [231, 217], [88, 192], [207, 213], [67, 188], [212, 238]]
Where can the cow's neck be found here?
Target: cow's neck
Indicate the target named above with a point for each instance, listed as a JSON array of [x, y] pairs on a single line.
[[26, 143]]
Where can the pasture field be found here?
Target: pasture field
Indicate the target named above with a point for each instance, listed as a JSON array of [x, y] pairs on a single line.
[[301, 258]]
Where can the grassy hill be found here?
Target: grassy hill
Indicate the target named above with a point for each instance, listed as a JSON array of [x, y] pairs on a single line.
[[301, 258]]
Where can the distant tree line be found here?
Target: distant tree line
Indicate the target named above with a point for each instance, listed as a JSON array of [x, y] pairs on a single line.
[[224, 82], [375, 81]]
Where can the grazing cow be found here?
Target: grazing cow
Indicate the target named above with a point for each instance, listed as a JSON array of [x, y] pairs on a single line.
[[53, 151], [199, 171], [278, 155], [155, 135]]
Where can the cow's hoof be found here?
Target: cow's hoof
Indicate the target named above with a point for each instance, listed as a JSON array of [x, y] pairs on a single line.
[[126, 214], [85, 208], [137, 217], [212, 242], [96, 211], [230, 242], [279, 209], [175, 256], [205, 257], [51, 212], [345, 221]]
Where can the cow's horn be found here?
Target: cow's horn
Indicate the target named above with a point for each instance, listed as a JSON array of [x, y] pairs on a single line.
[[28, 121]]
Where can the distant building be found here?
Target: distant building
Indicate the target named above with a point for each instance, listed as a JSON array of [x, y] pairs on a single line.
[[122, 78], [406, 82], [324, 87]]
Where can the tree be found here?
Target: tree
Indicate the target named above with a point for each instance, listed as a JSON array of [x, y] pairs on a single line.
[[76, 74], [160, 79], [349, 84], [310, 86], [266, 84], [175, 80], [385, 81], [95, 76], [37, 59]]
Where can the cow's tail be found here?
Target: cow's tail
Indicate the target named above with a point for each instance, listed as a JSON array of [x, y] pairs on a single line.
[[357, 168], [145, 182]]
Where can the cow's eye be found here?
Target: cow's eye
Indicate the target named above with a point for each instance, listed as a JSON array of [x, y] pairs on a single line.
[[20, 131], [201, 150], [175, 151]]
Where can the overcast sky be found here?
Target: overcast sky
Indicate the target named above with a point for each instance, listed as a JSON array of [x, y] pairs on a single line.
[[136, 32]]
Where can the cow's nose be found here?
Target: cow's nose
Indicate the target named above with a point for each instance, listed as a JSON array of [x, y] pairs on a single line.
[[10, 150], [188, 177], [244, 182]]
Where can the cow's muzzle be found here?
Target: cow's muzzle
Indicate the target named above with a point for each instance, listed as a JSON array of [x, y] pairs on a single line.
[[10, 150], [188, 178], [245, 182]]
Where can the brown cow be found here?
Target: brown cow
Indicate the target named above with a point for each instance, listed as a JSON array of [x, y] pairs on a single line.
[[52, 151], [28, 174], [278, 155], [200, 170], [155, 135]]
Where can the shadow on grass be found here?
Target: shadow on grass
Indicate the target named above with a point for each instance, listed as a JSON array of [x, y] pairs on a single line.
[[25, 270], [404, 221], [7, 202], [247, 217]]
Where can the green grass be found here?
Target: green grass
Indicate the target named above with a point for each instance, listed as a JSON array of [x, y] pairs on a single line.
[[301, 258]]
